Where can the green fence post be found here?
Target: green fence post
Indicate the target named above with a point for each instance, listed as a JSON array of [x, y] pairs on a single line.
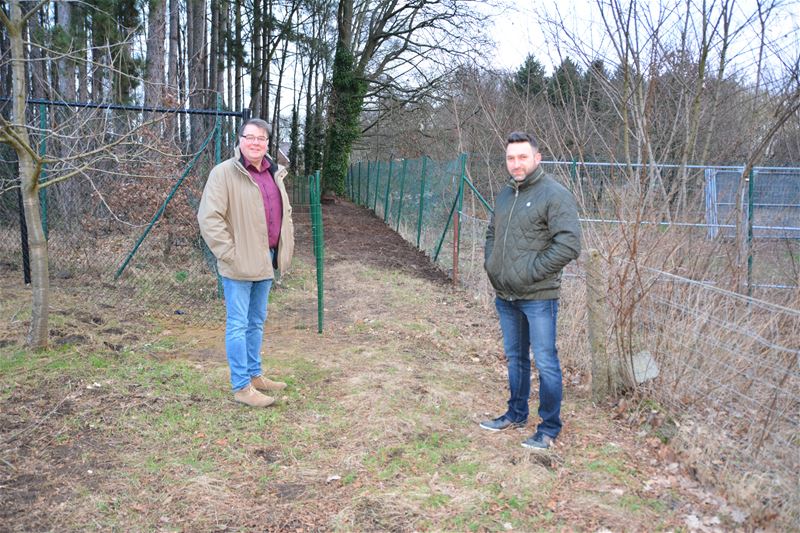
[[43, 179], [358, 190], [316, 229], [750, 202], [388, 186], [573, 170], [457, 218], [377, 183], [369, 176], [421, 198], [402, 187]]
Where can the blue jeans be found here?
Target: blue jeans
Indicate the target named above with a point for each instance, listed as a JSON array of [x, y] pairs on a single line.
[[246, 307], [530, 324]]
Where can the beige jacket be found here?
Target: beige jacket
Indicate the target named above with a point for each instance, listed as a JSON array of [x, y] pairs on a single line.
[[233, 223]]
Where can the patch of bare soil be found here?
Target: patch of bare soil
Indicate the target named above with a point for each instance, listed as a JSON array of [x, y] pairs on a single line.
[[386, 438]]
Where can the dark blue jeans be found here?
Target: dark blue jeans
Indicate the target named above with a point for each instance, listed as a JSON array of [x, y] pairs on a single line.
[[530, 324]]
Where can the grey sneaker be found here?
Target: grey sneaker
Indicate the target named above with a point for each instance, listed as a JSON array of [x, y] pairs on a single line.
[[501, 423], [538, 441]]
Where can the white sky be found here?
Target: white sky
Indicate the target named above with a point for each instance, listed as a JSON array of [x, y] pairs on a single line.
[[528, 27]]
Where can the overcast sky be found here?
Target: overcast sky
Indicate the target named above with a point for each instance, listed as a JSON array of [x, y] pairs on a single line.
[[522, 28]]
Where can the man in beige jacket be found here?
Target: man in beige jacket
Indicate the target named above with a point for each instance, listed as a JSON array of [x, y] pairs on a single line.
[[246, 220]]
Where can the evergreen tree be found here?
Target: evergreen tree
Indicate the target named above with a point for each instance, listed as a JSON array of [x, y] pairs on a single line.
[[530, 80], [565, 86]]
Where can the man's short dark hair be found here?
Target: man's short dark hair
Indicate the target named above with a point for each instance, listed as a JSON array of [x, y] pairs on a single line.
[[522, 137], [257, 122]]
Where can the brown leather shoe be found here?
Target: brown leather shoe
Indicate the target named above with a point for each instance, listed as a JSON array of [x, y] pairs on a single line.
[[262, 383], [250, 396]]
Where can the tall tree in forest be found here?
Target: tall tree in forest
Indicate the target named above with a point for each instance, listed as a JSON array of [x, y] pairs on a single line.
[[529, 80], [63, 45], [198, 71], [294, 142], [156, 37]]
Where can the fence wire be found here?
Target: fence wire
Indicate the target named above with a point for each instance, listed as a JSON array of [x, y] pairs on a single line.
[[729, 367]]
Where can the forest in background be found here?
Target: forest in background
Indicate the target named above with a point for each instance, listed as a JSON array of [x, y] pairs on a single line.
[[693, 83]]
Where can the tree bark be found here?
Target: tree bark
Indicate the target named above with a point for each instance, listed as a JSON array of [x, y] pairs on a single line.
[[66, 63], [156, 35], [29, 172], [196, 51]]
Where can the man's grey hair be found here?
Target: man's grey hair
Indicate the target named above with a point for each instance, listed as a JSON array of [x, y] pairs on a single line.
[[258, 123], [522, 137]]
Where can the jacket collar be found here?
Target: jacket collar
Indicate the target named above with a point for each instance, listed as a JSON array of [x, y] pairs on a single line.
[[529, 180]]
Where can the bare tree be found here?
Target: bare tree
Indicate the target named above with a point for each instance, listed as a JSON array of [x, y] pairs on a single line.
[[82, 145], [15, 133], [388, 45]]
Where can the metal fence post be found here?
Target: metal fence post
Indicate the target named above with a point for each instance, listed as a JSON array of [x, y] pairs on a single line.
[[369, 174], [319, 249], [750, 202], [377, 184], [388, 187], [421, 198], [402, 187], [358, 189], [457, 218]]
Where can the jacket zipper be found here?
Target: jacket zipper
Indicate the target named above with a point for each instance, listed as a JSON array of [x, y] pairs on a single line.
[[508, 223]]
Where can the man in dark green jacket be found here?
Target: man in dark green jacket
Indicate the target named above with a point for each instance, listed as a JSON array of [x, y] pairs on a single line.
[[534, 232]]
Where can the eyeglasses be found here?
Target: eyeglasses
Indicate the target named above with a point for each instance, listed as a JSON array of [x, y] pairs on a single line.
[[254, 138]]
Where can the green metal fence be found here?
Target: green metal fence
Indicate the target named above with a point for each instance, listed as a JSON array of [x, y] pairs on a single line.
[[314, 195], [441, 208]]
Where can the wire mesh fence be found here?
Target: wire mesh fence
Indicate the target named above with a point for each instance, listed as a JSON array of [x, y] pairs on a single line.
[[119, 207], [729, 367], [729, 363]]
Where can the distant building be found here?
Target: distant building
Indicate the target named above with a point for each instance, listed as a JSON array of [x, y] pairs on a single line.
[[283, 150]]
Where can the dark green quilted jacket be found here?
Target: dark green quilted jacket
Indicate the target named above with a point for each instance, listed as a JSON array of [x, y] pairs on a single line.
[[533, 233]]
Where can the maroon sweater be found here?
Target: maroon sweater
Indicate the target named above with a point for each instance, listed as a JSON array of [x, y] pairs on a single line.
[[273, 206]]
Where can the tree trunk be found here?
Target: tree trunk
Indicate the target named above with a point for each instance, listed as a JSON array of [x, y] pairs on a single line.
[[255, 68], [238, 59], [156, 35], [29, 171], [196, 51], [348, 89], [66, 62], [174, 36], [40, 83]]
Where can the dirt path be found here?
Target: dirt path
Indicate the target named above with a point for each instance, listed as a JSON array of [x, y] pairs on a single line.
[[409, 359], [378, 430]]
